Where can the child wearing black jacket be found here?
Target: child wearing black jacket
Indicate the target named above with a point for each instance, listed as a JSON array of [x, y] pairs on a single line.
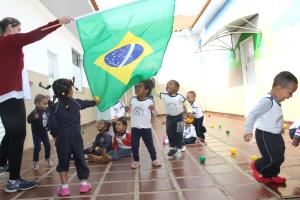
[[38, 119], [64, 125]]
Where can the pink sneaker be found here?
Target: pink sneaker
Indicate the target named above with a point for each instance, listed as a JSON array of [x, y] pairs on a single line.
[[135, 165], [156, 163], [64, 192], [85, 188]]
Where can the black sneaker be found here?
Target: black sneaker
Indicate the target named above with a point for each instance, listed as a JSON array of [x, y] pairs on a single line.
[[19, 184], [172, 152]]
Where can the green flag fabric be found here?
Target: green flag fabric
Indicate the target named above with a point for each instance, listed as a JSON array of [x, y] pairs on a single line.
[[124, 45]]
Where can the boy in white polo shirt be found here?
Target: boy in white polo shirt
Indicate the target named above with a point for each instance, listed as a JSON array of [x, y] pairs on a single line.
[[176, 104], [269, 127]]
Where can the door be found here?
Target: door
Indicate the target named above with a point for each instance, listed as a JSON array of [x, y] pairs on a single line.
[[248, 69]]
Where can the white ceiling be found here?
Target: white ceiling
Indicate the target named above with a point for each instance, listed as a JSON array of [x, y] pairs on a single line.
[[75, 8], [72, 8]]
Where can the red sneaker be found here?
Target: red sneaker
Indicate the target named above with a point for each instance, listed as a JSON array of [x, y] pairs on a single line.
[[278, 179], [255, 174]]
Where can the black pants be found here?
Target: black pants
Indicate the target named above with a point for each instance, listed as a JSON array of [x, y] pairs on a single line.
[[67, 144], [271, 147], [146, 135], [38, 137], [174, 128], [200, 129], [13, 116], [190, 140]]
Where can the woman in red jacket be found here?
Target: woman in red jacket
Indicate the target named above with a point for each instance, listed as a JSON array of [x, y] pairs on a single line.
[[12, 107]]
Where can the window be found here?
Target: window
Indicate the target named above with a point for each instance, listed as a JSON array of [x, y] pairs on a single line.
[[52, 69], [77, 62]]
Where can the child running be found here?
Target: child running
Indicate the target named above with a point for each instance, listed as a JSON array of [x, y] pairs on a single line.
[[102, 144], [64, 125], [269, 122], [141, 106], [38, 119], [175, 104]]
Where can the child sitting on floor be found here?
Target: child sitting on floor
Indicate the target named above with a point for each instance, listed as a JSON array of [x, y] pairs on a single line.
[[189, 133], [102, 143], [122, 141], [294, 132]]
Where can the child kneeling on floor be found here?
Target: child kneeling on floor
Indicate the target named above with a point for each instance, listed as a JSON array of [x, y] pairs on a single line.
[[102, 144]]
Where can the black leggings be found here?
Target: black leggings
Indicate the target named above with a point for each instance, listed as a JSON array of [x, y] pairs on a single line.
[[38, 137], [13, 116]]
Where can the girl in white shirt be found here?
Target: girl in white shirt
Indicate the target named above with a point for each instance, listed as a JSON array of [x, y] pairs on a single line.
[[141, 107]]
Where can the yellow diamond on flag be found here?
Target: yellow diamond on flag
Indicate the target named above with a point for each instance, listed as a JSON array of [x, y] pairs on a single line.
[[122, 60]]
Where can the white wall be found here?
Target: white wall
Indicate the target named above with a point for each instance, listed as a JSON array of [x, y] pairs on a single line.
[[33, 14]]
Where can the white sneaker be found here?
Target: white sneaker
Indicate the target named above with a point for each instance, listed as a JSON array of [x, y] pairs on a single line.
[[35, 165], [49, 163], [178, 154], [183, 148]]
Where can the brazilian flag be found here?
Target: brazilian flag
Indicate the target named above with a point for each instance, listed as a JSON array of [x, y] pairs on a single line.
[[124, 45]]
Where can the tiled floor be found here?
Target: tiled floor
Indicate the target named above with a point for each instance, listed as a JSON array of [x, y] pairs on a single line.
[[221, 177]]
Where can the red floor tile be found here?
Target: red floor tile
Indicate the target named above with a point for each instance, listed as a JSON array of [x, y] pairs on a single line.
[[232, 178], [194, 182], [117, 187], [153, 174], [204, 194], [222, 168], [248, 191], [120, 176], [116, 197], [156, 185], [160, 195]]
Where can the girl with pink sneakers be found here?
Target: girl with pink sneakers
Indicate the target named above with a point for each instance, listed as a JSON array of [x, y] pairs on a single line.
[[64, 125]]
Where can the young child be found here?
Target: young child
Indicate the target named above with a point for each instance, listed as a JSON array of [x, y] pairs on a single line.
[[175, 104], [102, 144], [294, 132], [198, 115], [189, 134], [118, 111], [269, 127], [64, 125], [38, 119], [122, 141], [141, 106]]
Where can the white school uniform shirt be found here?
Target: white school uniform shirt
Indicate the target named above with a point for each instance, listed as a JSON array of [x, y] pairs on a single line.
[[140, 112], [118, 110], [189, 131], [267, 114], [174, 104], [197, 110], [295, 125]]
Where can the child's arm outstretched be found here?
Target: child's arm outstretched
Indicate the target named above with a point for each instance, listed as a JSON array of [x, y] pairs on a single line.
[[87, 103], [262, 107]]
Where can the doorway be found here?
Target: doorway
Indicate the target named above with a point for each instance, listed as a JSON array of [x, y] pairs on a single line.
[[248, 70]]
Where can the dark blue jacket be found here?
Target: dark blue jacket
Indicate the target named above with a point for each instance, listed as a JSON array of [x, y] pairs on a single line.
[[103, 140], [64, 116], [37, 123]]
